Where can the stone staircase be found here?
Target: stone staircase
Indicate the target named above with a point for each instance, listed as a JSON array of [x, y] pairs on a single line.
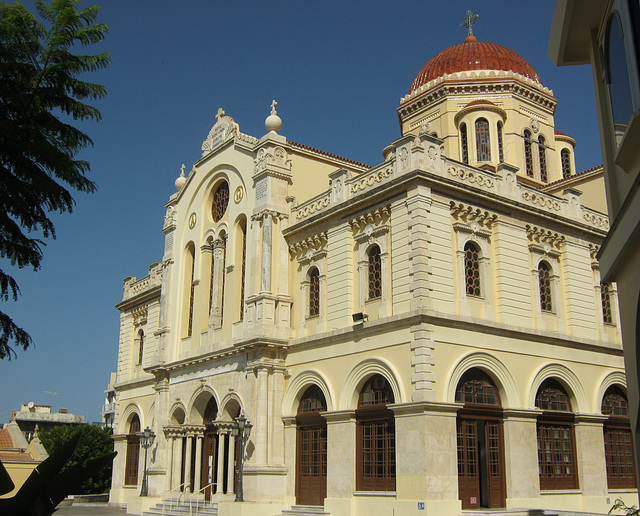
[[175, 507], [305, 510], [508, 512]]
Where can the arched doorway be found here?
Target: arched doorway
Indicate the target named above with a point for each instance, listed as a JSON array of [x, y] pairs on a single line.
[[133, 452], [311, 452], [209, 450], [481, 471]]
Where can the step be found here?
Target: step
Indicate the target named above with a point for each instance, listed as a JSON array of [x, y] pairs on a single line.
[[305, 510]]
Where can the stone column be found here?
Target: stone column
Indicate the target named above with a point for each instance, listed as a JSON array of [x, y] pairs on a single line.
[[220, 468], [231, 468], [177, 462], [187, 467], [219, 249], [262, 416], [170, 459], [283, 262], [521, 453], [267, 225], [198, 479]]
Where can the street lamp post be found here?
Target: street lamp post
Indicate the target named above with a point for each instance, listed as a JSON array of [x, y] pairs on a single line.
[[241, 430], [146, 440]]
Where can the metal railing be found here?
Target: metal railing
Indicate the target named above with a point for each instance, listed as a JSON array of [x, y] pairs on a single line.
[[171, 500], [198, 501]]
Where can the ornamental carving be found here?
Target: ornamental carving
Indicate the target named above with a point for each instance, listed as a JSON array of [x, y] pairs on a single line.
[[544, 239], [309, 248], [541, 200], [369, 180], [224, 129], [472, 220], [370, 225], [273, 157], [472, 176], [595, 219], [170, 217]]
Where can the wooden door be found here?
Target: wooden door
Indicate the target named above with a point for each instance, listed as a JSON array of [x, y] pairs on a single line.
[[311, 464], [133, 458], [481, 482], [209, 462]]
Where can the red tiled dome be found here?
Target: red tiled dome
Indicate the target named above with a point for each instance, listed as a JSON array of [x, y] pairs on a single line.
[[473, 55]]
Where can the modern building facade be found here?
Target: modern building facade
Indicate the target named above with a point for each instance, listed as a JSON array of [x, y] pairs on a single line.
[[431, 333], [605, 35]]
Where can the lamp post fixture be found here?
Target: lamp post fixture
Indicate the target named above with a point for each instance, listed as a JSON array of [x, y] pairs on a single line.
[[241, 430], [146, 440]]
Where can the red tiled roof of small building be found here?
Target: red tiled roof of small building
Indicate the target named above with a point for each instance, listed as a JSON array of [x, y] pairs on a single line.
[[473, 55], [5, 439], [22, 456]]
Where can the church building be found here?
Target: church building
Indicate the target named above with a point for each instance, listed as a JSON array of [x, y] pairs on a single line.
[[427, 334]]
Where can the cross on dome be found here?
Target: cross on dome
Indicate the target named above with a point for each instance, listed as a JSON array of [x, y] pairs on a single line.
[[469, 21]]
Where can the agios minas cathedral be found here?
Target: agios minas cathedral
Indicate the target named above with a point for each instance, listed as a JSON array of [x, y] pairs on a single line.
[[430, 333]]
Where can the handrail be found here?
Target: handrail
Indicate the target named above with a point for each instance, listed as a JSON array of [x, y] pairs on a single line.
[[197, 501], [180, 487]]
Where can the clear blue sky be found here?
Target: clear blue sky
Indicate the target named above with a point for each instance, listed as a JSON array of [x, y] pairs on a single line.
[[337, 70]]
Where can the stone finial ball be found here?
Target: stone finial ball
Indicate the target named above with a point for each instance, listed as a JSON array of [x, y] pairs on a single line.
[[273, 123], [180, 182]]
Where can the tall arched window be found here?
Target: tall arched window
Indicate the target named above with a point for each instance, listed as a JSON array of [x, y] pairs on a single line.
[[500, 144], [140, 346], [472, 269], [464, 144], [544, 280], [243, 229], [565, 157], [528, 155], [133, 452], [480, 442], [375, 437], [605, 298], [311, 455], [314, 292], [375, 273], [220, 201], [556, 438], [483, 146], [618, 442], [190, 286], [542, 155]]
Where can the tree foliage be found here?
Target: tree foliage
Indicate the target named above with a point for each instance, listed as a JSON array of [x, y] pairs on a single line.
[[40, 93], [95, 442]]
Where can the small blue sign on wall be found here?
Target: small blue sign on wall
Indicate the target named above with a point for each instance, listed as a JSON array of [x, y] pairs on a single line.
[[421, 506]]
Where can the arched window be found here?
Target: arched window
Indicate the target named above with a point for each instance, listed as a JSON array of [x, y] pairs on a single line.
[[556, 438], [375, 273], [464, 144], [243, 229], [190, 267], [210, 412], [140, 346], [544, 280], [528, 155], [375, 437], [133, 452], [617, 75], [605, 298], [314, 292], [480, 442], [311, 455], [618, 442], [211, 277], [472, 269], [542, 155], [500, 144], [483, 145], [220, 201], [565, 157]]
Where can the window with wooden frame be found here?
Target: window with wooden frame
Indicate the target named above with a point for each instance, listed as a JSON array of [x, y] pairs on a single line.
[[528, 153], [565, 159], [140, 346], [483, 144], [375, 437], [472, 269], [375, 273], [618, 442], [133, 452], [311, 442], [556, 438], [314, 292], [605, 299], [500, 143], [542, 155], [544, 280], [220, 201], [464, 144]]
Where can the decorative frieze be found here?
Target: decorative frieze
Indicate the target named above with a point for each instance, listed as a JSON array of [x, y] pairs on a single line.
[[308, 249], [472, 176], [545, 242]]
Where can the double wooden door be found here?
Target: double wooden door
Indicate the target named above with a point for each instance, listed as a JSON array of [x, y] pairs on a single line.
[[481, 481], [311, 463]]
